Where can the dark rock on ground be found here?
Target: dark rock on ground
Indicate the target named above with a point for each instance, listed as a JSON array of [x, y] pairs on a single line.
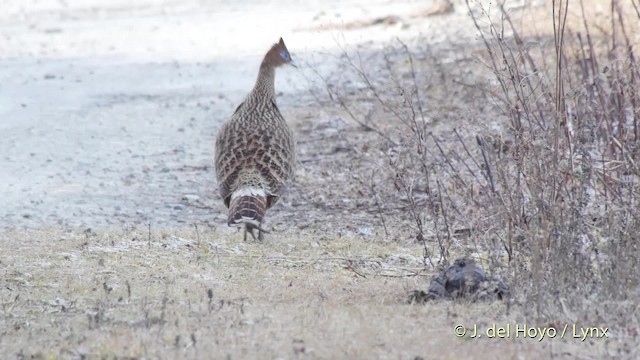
[[464, 279]]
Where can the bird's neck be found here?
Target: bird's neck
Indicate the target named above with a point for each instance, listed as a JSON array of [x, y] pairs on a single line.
[[264, 86]]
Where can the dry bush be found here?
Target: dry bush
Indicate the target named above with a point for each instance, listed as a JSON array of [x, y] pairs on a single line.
[[566, 190], [549, 197]]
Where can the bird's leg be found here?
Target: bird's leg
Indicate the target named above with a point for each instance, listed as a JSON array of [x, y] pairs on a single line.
[[250, 228], [260, 233]]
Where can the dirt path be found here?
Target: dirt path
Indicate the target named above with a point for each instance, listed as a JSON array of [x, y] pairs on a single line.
[[108, 112]]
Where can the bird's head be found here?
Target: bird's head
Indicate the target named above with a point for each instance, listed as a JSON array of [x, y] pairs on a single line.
[[278, 55]]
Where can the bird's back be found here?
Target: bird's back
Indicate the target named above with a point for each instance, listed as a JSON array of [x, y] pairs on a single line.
[[256, 149]]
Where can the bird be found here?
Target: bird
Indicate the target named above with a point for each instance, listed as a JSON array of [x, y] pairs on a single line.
[[255, 150]]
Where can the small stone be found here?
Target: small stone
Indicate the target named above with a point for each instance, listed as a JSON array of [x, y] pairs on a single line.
[[190, 198], [59, 302]]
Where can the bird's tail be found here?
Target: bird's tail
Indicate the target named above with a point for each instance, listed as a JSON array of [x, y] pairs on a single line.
[[247, 206]]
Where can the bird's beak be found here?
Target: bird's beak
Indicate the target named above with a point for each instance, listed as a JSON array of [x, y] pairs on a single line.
[[293, 64]]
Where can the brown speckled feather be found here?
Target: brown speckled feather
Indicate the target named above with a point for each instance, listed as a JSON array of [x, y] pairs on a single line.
[[255, 150]]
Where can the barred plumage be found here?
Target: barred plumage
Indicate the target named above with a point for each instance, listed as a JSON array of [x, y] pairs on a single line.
[[255, 150]]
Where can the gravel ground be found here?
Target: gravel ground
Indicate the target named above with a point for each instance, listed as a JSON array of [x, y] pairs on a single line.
[[108, 112]]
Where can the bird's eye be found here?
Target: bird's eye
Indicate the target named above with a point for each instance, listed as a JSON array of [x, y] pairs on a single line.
[[284, 55]]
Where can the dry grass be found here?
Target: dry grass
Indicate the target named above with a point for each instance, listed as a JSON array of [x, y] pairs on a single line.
[[117, 295]]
